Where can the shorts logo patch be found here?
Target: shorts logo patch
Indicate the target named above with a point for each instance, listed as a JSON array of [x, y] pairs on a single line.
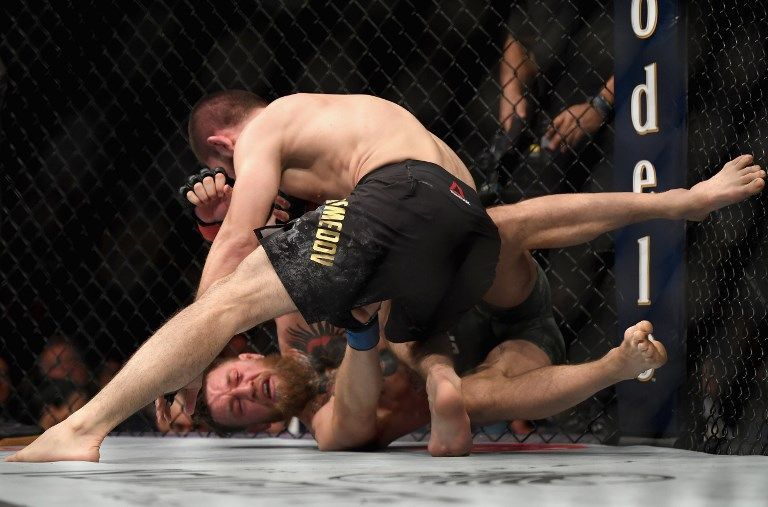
[[328, 232], [458, 192]]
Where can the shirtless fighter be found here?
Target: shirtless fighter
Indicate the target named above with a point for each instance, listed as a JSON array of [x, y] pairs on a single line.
[[404, 225], [505, 354], [305, 128]]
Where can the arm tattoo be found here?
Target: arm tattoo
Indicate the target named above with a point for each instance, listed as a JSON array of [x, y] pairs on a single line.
[[389, 362], [321, 341]]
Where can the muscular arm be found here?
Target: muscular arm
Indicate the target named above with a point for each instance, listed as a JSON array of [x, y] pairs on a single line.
[[349, 419], [258, 165], [516, 72]]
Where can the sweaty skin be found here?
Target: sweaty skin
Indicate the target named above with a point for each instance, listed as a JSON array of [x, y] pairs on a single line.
[[329, 142], [253, 294], [516, 380], [402, 405], [317, 147], [321, 143]]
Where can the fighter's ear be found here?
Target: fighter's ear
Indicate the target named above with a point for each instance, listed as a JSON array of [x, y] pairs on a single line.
[[249, 355], [222, 144]]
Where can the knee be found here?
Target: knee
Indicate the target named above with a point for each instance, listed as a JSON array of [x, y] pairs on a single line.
[[509, 222]]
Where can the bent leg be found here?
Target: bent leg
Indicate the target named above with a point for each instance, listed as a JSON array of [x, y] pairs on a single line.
[[506, 361], [492, 395], [176, 354], [450, 431]]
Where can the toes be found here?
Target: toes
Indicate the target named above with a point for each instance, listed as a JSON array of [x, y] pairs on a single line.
[[751, 169], [746, 179], [741, 162], [662, 351], [756, 185], [645, 326]]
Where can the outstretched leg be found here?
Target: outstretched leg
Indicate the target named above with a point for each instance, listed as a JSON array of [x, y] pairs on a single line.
[[177, 353], [556, 221], [491, 395]]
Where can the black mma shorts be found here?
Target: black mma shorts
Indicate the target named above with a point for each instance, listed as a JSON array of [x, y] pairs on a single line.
[[484, 327], [410, 232]]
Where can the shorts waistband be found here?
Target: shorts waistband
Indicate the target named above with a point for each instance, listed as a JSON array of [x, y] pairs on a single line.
[[404, 168]]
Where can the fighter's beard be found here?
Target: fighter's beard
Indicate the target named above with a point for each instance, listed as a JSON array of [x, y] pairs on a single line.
[[298, 383]]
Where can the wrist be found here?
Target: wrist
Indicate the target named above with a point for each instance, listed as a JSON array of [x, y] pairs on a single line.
[[603, 107], [207, 222], [365, 338], [208, 231]]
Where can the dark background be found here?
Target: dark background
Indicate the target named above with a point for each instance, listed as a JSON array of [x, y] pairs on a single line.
[[97, 247]]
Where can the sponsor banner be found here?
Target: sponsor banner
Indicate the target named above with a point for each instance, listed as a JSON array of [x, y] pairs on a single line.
[[650, 156]]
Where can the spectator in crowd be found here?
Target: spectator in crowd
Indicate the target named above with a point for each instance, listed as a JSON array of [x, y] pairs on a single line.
[[556, 92], [58, 399], [60, 360]]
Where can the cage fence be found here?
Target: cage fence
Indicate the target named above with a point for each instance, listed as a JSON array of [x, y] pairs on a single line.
[[98, 250]]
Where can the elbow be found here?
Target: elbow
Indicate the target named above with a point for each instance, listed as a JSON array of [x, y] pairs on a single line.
[[325, 446], [238, 244], [350, 442]]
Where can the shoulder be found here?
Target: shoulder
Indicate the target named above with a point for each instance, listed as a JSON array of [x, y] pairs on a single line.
[[276, 121], [296, 103]]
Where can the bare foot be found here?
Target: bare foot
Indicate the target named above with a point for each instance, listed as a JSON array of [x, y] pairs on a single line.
[[736, 181], [60, 443], [450, 434], [638, 352]]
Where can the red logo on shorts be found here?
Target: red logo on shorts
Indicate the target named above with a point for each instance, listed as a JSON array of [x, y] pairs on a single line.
[[458, 192]]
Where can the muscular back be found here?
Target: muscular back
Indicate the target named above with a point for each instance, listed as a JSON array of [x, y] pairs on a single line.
[[328, 142]]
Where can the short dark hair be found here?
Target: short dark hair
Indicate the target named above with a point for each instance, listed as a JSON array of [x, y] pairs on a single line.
[[202, 410], [219, 110]]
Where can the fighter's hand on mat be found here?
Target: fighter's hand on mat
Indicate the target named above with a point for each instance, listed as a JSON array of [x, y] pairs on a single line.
[[176, 422], [572, 125], [210, 192], [185, 397]]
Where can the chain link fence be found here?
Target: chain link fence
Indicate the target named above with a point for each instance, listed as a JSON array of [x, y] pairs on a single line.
[[726, 396], [97, 250]]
